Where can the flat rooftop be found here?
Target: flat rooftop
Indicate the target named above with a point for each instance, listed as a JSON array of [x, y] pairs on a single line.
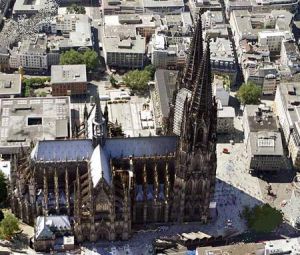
[[163, 3], [28, 6], [236, 249], [68, 73], [23, 120], [10, 84], [165, 85], [115, 44]]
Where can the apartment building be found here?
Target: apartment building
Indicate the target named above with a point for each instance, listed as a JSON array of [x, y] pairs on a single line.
[[68, 80], [31, 54]]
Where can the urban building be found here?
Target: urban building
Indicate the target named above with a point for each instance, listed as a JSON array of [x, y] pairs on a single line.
[[53, 233], [287, 100], [235, 249], [167, 56], [143, 24], [4, 59], [273, 24], [257, 66], [204, 5], [73, 31], [222, 58], [109, 184], [28, 7], [30, 54], [115, 7], [27, 120], [120, 52], [162, 96], [168, 6], [290, 56], [68, 80], [177, 28], [226, 115], [259, 6], [273, 39], [214, 24], [263, 139], [10, 85]]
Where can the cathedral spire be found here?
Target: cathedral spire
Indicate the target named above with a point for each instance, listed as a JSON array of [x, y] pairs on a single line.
[[99, 126], [98, 112], [195, 55]]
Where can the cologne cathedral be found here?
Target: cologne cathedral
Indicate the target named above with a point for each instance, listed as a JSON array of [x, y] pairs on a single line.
[[107, 185]]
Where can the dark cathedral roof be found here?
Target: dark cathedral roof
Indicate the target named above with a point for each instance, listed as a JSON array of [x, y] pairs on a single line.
[[60, 150], [195, 55], [141, 146], [202, 93], [81, 150]]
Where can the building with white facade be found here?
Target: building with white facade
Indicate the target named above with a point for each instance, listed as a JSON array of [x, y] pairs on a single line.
[[287, 102], [290, 56], [248, 25], [167, 56], [274, 39], [72, 31], [259, 5], [31, 54], [263, 139], [222, 57], [165, 7]]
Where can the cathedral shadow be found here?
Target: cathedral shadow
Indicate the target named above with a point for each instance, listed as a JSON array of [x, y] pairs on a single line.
[[93, 90], [282, 176], [228, 225], [236, 136]]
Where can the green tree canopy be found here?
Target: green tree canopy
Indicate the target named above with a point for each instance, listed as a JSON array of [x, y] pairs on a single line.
[[8, 226], [3, 188], [74, 8], [249, 93], [151, 69], [263, 218], [90, 58], [137, 80], [73, 57]]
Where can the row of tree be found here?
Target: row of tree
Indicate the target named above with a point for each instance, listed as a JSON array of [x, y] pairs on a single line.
[[74, 57]]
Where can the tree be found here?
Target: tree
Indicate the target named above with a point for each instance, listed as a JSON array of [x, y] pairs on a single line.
[[151, 69], [263, 218], [73, 57], [137, 80], [74, 8], [3, 188], [90, 58], [249, 93], [8, 226]]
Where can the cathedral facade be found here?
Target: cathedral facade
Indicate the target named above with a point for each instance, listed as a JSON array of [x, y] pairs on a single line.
[[107, 185]]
